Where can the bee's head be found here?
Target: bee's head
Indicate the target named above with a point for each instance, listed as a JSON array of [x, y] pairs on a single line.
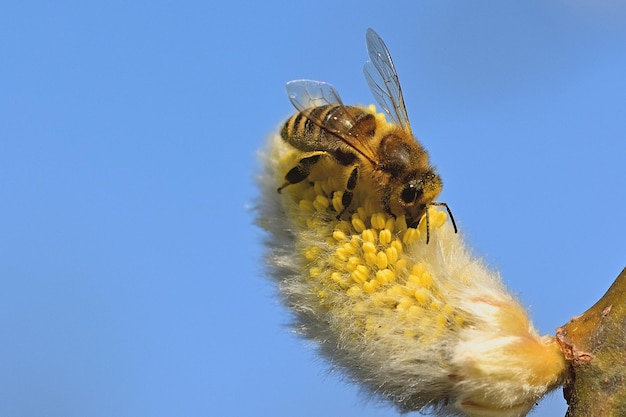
[[416, 192]]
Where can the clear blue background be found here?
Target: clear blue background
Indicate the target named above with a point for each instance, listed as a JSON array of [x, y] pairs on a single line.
[[131, 272]]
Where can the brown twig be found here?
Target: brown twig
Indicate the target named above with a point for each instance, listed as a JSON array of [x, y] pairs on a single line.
[[594, 344]]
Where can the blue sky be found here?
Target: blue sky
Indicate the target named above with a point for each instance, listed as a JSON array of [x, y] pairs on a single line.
[[132, 281]]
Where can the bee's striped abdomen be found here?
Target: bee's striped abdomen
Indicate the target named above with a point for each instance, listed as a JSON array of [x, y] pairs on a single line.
[[302, 133], [322, 127]]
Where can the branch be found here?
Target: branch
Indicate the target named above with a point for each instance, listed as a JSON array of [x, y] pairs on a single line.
[[594, 345]]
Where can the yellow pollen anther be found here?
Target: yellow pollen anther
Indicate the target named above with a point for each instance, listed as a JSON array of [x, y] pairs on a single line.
[[401, 225], [358, 224], [344, 251], [397, 245], [404, 303], [392, 254], [337, 204], [384, 236], [400, 264], [410, 236], [421, 295], [321, 203], [378, 221], [342, 254], [369, 236], [369, 247], [353, 263], [339, 236], [370, 258], [395, 291], [420, 278], [426, 280], [349, 248], [370, 286], [381, 260], [359, 275], [418, 269], [385, 276], [318, 188]]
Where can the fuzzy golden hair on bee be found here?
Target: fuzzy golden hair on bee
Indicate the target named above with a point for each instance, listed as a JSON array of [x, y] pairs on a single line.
[[419, 322]]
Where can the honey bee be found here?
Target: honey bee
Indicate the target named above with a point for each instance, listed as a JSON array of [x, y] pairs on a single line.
[[391, 158]]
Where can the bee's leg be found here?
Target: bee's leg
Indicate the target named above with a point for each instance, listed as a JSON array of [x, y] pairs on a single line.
[[301, 171], [348, 193]]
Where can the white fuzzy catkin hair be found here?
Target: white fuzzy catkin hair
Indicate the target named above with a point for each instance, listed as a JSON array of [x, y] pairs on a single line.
[[424, 326]]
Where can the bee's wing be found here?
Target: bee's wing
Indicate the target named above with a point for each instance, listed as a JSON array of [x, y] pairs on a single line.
[[382, 79], [308, 94], [305, 94]]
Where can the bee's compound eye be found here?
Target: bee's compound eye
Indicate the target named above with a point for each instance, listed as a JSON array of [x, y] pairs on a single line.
[[410, 193]]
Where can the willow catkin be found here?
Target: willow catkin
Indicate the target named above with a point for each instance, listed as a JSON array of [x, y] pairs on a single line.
[[424, 326]]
